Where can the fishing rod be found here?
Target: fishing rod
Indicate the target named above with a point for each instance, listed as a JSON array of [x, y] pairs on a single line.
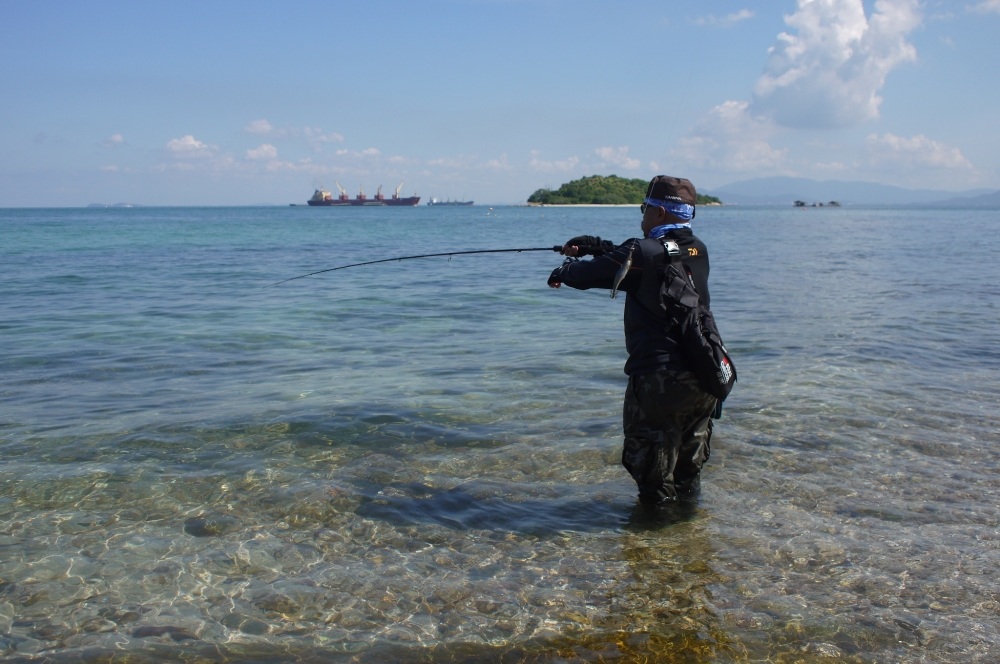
[[405, 258]]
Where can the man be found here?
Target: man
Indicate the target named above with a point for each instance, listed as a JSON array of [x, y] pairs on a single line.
[[667, 416]]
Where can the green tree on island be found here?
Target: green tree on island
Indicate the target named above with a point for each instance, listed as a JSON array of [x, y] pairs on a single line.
[[601, 190]]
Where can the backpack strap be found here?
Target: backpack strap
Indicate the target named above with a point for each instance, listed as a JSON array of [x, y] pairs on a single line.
[[678, 284], [648, 293]]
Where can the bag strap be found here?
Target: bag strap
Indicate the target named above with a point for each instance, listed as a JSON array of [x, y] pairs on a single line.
[[677, 279]]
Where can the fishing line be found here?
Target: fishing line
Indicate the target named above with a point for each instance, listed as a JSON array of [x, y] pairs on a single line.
[[406, 258], [674, 105]]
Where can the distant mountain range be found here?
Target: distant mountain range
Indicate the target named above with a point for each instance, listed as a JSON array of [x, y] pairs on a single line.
[[787, 190]]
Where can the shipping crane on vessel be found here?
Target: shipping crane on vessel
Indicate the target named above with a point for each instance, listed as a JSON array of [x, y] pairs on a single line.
[[323, 198]]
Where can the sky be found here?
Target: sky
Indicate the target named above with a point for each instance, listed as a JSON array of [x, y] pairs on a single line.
[[248, 102]]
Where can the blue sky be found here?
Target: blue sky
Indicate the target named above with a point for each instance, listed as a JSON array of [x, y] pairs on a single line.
[[227, 103]]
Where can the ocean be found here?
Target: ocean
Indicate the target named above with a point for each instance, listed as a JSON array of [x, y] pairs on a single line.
[[419, 460]]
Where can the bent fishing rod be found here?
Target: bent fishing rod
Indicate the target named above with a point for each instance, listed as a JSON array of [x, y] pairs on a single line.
[[555, 248]]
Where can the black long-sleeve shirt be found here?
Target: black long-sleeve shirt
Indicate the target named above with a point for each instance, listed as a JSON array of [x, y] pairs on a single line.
[[648, 332]]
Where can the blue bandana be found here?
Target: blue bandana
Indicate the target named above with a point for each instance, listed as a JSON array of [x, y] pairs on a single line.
[[679, 210], [660, 231]]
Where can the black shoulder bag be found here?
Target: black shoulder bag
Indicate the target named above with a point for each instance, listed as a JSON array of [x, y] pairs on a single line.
[[698, 335]]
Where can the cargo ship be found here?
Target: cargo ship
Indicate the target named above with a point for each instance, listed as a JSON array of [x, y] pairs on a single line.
[[324, 198], [438, 201]]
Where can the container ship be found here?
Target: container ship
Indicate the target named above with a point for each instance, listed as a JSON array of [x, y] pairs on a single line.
[[324, 198], [438, 201]]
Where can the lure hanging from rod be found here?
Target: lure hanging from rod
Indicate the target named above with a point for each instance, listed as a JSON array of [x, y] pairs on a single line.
[[405, 258]]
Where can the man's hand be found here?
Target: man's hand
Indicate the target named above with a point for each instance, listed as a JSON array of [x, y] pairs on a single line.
[[586, 245]]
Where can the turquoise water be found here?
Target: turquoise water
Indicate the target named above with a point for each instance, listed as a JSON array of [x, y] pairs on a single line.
[[419, 460]]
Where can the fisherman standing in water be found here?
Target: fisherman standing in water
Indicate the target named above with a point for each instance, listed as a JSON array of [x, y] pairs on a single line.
[[667, 416]]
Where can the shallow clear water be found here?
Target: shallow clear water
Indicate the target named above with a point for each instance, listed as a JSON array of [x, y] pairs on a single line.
[[419, 460]]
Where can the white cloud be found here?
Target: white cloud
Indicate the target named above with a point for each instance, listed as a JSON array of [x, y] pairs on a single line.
[[726, 21], [259, 127], [264, 151], [501, 163], [986, 7], [455, 162], [829, 71], [367, 153], [618, 157], [316, 137], [917, 151], [731, 140], [313, 136], [561, 166], [114, 141], [189, 146]]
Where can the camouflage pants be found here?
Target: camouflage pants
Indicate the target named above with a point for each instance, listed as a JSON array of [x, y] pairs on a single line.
[[668, 427]]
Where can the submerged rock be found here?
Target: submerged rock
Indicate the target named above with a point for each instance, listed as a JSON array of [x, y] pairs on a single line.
[[209, 526], [175, 633]]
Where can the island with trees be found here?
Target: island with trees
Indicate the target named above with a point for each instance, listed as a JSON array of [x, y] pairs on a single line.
[[601, 190]]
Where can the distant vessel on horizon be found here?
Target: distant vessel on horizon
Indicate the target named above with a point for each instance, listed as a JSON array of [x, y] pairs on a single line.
[[438, 201], [323, 198]]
